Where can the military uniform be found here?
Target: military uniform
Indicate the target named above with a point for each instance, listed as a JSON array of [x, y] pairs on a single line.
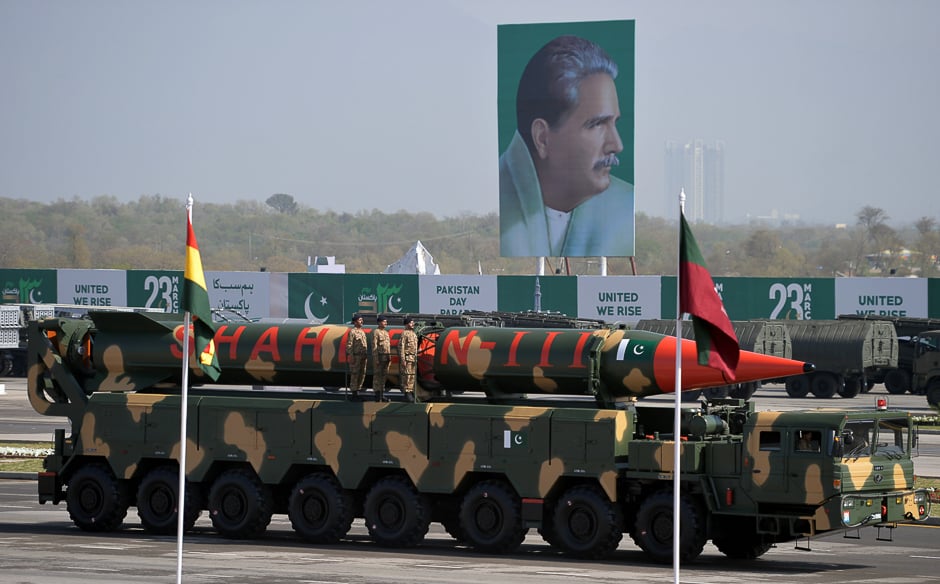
[[381, 358], [408, 361], [356, 352]]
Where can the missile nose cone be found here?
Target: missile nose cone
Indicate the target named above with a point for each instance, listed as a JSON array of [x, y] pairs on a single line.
[[808, 367], [751, 367]]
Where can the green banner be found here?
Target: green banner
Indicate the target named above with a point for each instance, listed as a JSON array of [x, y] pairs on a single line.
[[777, 298], [27, 286], [381, 293], [555, 293], [154, 289], [317, 298]]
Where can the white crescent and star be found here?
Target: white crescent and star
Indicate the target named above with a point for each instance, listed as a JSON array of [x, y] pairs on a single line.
[[308, 312]]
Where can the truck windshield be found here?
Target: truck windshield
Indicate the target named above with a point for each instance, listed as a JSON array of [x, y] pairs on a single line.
[[892, 437], [885, 437]]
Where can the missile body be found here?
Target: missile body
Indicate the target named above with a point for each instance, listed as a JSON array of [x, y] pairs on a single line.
[[610, 364], [136, 352]]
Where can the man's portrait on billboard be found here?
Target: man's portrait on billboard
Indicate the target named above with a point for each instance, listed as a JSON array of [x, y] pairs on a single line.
[[566, 173]]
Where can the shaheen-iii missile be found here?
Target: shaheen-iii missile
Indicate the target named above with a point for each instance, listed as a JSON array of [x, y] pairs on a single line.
[[610, 364], [137, 352]]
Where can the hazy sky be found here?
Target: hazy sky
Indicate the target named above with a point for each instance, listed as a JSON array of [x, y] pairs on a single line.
[[823, 106]]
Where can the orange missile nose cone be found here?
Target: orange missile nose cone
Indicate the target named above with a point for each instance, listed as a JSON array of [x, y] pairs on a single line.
[[751, 367]]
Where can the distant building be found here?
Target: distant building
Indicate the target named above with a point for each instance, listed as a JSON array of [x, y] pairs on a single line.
[[699, 168], [325, 265]]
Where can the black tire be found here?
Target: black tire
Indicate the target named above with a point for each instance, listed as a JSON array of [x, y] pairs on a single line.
[[851, 388], [319, 509], [157, 502], [824, 385], [716, 392], [6, 364], [690, 396], [897, 381], [96, 500], [654, 526], [739, 539], [745, 390], [240, 505], [933, 394], [396, 514], [586, 524], [491, 518], [797, 386]]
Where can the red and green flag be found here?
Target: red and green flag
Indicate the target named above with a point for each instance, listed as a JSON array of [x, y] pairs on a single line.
[[196, 302], [714, 336]]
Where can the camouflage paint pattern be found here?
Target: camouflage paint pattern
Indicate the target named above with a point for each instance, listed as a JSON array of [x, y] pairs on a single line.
[[735, 463]]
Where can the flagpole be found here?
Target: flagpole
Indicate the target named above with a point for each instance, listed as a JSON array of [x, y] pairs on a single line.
[[184, 403], [677, 408]]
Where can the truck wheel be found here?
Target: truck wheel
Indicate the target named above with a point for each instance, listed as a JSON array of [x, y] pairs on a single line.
[[491, 518], [96, 500], [586, 524], [824, 385], [157, 502], [653, 531], [897, 381], [6, 364], [797, 386], [851, 388], [319, 509], [744, 390], [396, 514], [240, 505], [715, 392], [933, 394], [690, 396], [739, 539]]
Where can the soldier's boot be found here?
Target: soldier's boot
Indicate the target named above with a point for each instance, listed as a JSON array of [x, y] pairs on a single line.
[[410, 397], [380, 396], [356, 397]]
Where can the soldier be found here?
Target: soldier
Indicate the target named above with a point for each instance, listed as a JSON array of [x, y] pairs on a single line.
[[356, 353], [408, 359], [381, 357]]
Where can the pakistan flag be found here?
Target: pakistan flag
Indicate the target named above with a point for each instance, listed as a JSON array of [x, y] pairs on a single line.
[[317, 298]]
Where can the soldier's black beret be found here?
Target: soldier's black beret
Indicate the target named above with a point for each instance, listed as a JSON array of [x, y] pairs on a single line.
[[408, 319], [356, 316], [380, 318]]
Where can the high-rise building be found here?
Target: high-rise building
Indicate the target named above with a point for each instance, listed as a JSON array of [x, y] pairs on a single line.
[[699, 168]]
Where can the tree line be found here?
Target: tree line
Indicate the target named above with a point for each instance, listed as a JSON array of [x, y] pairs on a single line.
[[280, 235]]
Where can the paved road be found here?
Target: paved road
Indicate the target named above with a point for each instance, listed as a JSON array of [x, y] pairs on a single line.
[[40, 545]]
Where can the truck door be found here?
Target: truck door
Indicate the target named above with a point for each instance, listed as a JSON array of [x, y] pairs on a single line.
[[766, 464]]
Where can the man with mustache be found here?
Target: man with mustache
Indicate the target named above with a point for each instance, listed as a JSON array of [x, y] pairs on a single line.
[[556, 194]]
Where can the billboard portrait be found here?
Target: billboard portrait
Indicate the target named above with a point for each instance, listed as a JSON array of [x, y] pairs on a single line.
[[566, 126]]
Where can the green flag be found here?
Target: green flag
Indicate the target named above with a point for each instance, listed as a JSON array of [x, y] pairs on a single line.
[[714, 336]]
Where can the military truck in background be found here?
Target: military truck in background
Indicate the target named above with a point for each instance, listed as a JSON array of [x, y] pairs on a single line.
[[580, 459], [850, 355], [909, 329], [760, 336]]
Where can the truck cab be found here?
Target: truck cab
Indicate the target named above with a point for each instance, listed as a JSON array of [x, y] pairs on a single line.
[[925, 377], [836, 469]]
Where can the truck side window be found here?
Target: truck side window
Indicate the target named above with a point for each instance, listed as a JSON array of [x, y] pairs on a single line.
[[769, 440], [807, 441]]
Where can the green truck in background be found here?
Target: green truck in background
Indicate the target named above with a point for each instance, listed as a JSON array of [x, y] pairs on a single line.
[[555, 439]]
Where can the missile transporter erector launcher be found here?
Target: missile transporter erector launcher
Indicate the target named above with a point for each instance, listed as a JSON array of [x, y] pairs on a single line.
[[531, 450]]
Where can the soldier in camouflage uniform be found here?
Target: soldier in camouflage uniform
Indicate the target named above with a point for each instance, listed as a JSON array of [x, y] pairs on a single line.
[[408, 359], [356, 353], [381, 358]]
